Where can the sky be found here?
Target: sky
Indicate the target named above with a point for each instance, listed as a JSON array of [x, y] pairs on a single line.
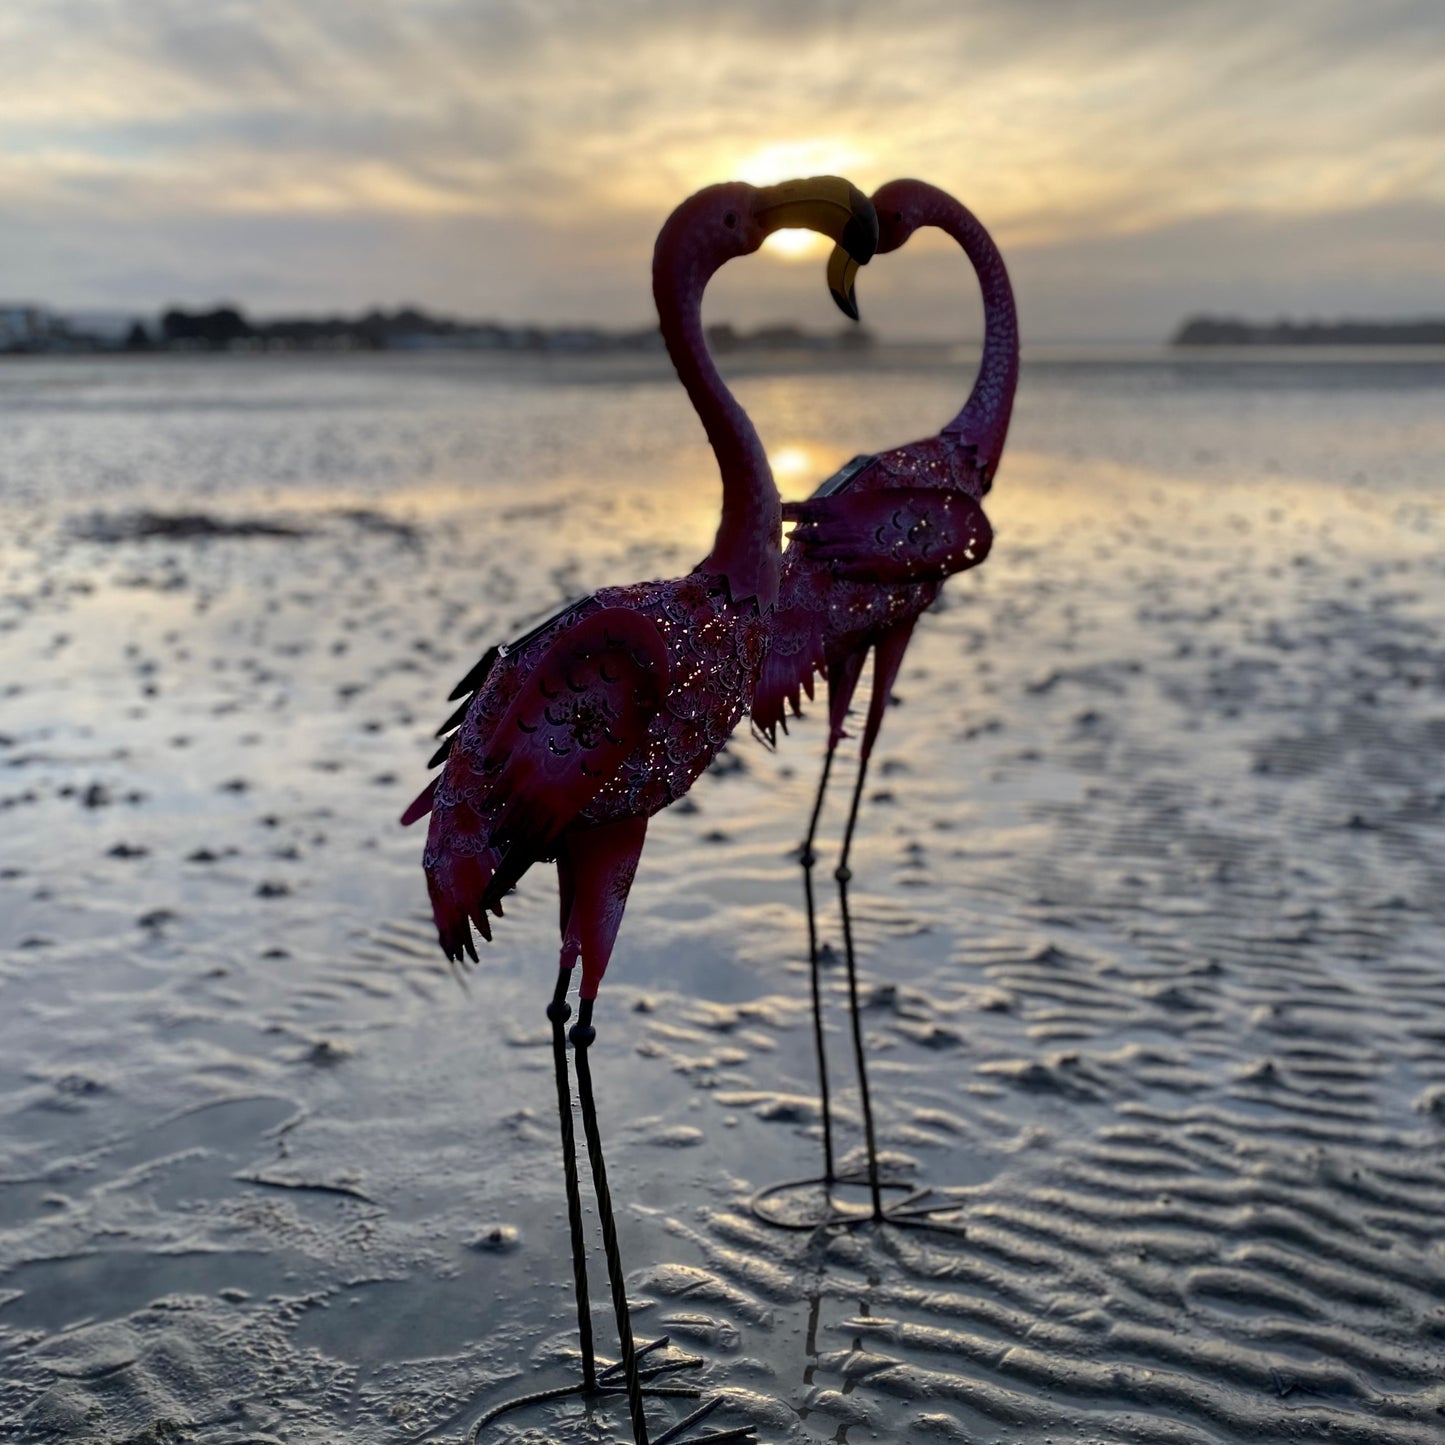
[[1137, 162]]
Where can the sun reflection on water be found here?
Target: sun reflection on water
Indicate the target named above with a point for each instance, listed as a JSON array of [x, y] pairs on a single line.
[[798, 466]]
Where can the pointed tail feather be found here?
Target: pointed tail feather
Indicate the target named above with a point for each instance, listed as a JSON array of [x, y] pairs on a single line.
[[421, 805], [787, 673], [459, 885]]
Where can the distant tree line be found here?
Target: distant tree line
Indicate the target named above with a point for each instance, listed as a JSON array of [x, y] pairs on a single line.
[[226, 328], [1226, 331]]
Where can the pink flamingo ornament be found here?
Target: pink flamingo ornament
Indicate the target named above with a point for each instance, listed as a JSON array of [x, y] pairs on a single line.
[[870, 550], [574, 735]]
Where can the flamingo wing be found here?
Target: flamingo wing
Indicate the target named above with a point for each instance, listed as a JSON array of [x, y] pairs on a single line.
[[468, 688], [583, 708], [904, 534]]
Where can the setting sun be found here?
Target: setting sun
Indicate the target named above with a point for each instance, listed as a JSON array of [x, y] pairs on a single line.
[[793, 245], [795, 462]]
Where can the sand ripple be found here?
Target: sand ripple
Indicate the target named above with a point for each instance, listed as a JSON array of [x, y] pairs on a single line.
[[1149, 899]]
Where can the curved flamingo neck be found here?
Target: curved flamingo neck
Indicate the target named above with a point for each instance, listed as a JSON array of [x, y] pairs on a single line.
[[748, 548], [984, 419]]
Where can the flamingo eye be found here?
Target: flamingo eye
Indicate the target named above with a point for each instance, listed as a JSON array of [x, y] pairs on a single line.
[[731, 220]]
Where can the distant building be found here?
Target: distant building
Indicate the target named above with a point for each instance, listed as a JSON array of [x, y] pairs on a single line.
[[24, 327]]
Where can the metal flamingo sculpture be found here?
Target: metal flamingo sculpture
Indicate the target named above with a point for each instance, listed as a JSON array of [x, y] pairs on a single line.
[[870, 550], [574, 735]]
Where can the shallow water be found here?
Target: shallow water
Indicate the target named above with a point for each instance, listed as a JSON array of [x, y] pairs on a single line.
[[1148, 891]]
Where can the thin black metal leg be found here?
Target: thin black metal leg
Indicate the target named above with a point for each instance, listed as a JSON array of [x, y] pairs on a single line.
[[559, 1011], [844, 874], [583, 1035], [595, 1383], [807, 857], [924, 1208]]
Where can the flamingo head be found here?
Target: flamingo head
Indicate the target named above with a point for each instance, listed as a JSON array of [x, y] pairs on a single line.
[[720, 223], [902, 207]]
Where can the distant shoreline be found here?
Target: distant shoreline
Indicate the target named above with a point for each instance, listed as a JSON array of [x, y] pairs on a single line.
[[36, 330], [607, 366], [1227, 331]]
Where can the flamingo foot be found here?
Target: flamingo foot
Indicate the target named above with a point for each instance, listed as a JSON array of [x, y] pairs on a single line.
[[610, 1382], [809, 1204], [682, 1431], [610, 1378]]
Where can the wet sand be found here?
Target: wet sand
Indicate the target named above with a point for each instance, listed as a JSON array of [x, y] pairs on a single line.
[[1148, 893]]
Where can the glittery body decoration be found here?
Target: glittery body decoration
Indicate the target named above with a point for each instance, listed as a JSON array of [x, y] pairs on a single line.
[[827, 613], [715, 649]]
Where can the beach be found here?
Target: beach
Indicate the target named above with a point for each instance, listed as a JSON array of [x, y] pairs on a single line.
[[1148, 893]]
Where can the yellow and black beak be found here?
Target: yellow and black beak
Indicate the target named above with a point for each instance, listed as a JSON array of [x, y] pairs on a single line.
[[835, 208], [842, 269]]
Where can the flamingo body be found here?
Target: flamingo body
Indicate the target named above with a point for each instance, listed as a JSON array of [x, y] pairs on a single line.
[[865, 560], [577, 733], [874, 543], [580, 731], [867, 556], [610, 712]]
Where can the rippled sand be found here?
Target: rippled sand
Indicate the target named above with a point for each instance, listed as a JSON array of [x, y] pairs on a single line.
[[1149, 895]]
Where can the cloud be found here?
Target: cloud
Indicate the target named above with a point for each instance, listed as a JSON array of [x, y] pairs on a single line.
[[478, 138]]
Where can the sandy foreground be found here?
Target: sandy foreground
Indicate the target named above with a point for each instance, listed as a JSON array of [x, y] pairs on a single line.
[[1149, 894]]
